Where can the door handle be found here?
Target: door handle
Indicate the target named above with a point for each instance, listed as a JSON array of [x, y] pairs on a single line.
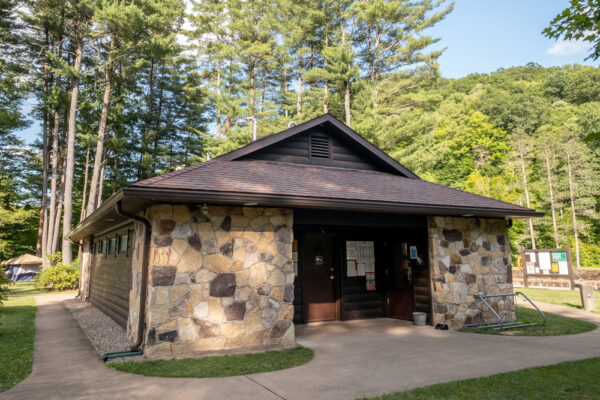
[[332, 277]]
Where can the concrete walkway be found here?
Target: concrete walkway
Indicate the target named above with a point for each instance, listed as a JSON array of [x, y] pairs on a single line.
[[353, 359]]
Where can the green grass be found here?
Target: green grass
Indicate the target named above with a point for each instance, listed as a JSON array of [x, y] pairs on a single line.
[[555, 325], [569, 380], [17, 331], [25, 288], [568, 298], [28, 288], [219, 366]]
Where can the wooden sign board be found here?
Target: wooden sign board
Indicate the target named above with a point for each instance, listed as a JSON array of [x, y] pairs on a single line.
[[547, 263]]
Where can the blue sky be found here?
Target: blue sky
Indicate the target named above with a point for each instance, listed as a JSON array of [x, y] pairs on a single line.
[[484, 35]]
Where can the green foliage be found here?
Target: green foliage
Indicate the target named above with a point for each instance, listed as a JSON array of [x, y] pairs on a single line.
[[5, 283], [579, 22], [58, 276]]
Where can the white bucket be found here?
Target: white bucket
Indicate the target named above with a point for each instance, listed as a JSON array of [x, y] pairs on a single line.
[[420, 318]]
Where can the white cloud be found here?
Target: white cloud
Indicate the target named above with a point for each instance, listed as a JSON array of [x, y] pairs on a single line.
[[566, 48]]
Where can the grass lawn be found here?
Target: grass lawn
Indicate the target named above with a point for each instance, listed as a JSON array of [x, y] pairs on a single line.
[[17, 331], [568, 298], [27, 288], [219, 366], [555, 325], [569, 380]]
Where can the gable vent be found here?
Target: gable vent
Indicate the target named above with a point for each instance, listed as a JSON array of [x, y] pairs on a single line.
[[319, 146]]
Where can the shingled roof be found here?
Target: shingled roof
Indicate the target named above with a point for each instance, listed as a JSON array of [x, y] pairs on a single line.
[[237, 179], [277, 180]]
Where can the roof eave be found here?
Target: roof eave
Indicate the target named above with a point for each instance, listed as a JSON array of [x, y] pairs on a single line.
[[235, 198], [79, 232], [106, 215]]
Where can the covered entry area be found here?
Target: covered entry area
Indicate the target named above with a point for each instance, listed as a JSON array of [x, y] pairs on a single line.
[[359, 265]]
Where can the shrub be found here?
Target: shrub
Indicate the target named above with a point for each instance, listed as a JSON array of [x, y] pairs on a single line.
[[4, 286], [59, 276]]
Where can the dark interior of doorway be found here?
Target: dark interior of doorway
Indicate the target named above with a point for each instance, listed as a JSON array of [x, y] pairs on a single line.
[[324, 292]]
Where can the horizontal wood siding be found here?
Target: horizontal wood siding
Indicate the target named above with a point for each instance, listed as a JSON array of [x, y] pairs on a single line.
[[422, 289], [297, 150], [111, 277], [298, 291], [357, 302], [298, 288]]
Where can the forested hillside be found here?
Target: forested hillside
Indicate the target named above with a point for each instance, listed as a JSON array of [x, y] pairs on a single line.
[[125, 91]]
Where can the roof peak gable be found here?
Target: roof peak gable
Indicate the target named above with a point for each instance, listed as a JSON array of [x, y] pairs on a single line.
[[362, 146]]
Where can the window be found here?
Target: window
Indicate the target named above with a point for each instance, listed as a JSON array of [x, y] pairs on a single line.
[[123, 241], [104, 246], [112, 245]]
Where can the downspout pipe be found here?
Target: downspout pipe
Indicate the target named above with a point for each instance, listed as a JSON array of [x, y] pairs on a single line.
[[144, 284]]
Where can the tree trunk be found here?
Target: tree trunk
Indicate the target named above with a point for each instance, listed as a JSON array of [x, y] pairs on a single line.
[[53, 183], [84, 202], [67, 255], [552, 208], [299, 90], [101, 182], [43, 235], [347, 102], [285, 90], [115, 171], [98, 159], [219, 97], [252, 85], [573, 214], [58, 212], [524, 174]]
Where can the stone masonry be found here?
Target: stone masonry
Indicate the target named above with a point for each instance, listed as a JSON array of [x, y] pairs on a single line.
[[220, 278], [467, 256]]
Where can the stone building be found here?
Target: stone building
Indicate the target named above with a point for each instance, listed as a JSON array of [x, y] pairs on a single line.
[[310, 224]]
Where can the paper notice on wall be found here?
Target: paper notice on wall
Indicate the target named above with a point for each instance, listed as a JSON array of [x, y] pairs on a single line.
[[563, 268], [531, 257], [360, 269], [350, 250], [545, 262], [530, 268], [369, 267], [351, 268], [370, 278], [365, 252]]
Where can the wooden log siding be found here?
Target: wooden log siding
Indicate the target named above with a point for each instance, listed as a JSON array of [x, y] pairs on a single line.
[[421, 289], [111, 276], [298, 150]]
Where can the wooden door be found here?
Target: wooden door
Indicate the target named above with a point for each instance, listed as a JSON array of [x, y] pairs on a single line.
[[319, 278], [400, 297]]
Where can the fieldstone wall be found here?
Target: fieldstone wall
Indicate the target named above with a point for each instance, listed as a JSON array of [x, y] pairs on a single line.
[[468, 256], [136, 281], [220, 278]]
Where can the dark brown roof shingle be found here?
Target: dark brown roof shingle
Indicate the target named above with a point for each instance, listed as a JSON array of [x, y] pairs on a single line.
[[271, 178]]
